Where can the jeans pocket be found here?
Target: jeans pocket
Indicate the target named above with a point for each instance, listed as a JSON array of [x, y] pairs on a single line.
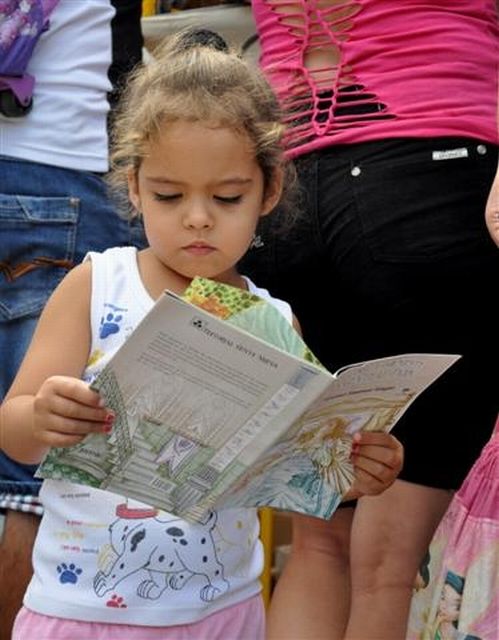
[[37, 245], [420, 210]]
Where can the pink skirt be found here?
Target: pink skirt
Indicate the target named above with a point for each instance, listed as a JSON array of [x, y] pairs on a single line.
[[243, 621], [456, 595]]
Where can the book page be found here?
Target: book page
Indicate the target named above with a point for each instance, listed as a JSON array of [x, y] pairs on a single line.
[[197, 402], [309, 469]]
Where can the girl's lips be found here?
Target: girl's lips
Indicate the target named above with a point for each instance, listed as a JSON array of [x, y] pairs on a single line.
[[199, 249]]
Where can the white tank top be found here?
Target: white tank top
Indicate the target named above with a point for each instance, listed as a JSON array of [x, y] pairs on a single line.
[[67, 125], [99, 557]]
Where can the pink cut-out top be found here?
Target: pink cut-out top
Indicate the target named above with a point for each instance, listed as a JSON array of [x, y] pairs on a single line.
[[349, 71]]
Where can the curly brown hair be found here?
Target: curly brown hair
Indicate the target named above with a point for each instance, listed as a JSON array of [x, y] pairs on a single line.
[[195, 77]]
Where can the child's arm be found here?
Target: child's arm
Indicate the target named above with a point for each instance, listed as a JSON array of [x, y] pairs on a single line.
[[377, 458], [47, 404]]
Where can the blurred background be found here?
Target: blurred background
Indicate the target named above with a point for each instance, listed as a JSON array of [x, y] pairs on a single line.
[[231, 19]]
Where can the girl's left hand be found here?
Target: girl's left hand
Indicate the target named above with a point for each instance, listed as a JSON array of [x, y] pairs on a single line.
[[377, 458]]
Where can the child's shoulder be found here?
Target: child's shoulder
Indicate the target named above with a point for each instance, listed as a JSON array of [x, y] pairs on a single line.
[[114, 254], [283, 306], [70, 301], [112, 264], [79, 277]]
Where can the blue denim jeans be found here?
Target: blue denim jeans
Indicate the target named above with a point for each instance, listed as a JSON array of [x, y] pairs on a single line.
[[49, 218]]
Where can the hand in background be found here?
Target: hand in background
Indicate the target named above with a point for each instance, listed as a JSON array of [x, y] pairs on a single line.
[[65, 410], [492, 210], [377, 458]]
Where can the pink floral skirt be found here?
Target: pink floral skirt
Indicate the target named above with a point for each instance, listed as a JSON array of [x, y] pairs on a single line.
[[456, 596]]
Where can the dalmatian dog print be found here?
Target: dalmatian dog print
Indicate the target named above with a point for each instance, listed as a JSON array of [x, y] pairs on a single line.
[[185, 550]]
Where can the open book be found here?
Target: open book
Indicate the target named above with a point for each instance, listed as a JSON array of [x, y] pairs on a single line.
[[219, 403]]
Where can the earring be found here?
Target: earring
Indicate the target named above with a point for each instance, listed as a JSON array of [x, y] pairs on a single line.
[[257, 242]]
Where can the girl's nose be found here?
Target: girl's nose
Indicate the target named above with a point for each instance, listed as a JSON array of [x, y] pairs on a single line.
[[198, 217]]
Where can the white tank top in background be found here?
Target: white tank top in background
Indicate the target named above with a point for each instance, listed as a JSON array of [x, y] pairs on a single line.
[[67, 125]]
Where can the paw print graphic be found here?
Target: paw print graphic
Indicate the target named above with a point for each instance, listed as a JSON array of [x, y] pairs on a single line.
[[110, 324], [116, 602], [68, 574]]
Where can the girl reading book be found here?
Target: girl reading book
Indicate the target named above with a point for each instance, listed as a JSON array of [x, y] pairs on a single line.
[[198, 144]]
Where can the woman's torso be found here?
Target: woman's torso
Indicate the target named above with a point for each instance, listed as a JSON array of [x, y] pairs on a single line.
[[362, 70]]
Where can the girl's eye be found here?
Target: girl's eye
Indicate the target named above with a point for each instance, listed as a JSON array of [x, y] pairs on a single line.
[[166, 197], [228, 200]]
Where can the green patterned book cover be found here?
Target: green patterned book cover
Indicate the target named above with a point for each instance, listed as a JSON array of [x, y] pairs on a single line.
[[248, 312]]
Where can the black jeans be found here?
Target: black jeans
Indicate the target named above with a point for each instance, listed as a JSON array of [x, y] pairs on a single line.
[[391, 255]]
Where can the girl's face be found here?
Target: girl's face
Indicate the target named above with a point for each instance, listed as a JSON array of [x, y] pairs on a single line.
[[201, 192]]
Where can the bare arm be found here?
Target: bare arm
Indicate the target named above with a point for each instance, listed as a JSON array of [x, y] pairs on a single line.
[[492, 210], [47, 404], [492, 206]]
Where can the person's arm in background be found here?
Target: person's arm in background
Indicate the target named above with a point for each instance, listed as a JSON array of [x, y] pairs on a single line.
[[492, 210], [492, 206]]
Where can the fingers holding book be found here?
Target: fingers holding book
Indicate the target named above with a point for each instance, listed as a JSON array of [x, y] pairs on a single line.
[[377, 458]]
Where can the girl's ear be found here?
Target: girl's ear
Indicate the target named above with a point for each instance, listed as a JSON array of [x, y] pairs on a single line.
[[133, 188], [273, 192]]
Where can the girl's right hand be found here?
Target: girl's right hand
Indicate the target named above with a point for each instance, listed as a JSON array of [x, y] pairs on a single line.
[[65, 410]]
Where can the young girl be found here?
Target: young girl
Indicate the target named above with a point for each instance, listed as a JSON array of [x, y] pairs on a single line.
[[198, 144]]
